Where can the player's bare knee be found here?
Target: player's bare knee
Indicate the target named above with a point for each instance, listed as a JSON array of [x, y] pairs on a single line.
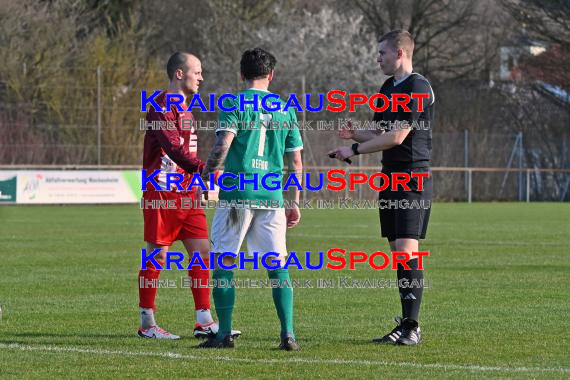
[[205, 254], [271, 261], [159, 257], [229, 260], [406, 245], [226, 261], [202, 246]]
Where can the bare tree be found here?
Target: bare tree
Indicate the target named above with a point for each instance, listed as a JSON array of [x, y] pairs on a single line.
[[48, 86], [454, 38], [545, 21]]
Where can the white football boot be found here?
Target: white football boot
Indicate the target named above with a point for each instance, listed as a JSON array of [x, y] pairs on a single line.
[[156, 332]]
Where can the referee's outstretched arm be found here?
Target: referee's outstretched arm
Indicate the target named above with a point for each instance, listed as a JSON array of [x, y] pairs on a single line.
[[358, 135], [384, 141]]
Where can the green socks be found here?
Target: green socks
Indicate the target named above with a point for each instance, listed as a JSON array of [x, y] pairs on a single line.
[[224, 299], [283, 299]]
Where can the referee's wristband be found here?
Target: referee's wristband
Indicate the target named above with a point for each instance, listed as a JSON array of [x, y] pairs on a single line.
[[355, 149]]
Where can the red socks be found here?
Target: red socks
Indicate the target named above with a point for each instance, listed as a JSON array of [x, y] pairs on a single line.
[[147, 289], [200, 277]]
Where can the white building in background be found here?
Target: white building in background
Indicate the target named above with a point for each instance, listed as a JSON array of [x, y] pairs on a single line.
[[510, 56]]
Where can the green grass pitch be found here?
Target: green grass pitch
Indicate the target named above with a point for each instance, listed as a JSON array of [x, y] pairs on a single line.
[[498, 303]]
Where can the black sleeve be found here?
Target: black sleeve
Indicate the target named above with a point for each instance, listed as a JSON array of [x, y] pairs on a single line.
[[378, 116], [420, 86]]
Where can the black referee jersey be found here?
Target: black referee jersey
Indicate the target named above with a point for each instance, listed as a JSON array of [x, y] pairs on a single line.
[[416, 148], [413, 155]]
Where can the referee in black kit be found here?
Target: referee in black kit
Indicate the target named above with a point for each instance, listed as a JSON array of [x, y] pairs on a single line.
[[405, 150]]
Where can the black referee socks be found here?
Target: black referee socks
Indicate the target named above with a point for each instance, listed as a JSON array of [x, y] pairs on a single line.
[[411, 289]]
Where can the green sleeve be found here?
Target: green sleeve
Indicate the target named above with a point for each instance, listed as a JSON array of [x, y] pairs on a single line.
[[228, 121], [293, 141]]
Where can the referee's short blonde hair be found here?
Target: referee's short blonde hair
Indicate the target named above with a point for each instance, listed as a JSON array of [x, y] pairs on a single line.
[[400, 39]]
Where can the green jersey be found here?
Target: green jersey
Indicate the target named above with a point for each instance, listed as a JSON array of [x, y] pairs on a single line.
[[261, 140]]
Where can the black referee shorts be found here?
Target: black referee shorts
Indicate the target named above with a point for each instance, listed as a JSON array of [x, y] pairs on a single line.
[[405, 214]]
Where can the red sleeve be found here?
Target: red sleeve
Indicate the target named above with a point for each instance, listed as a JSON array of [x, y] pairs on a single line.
[[169, 141]]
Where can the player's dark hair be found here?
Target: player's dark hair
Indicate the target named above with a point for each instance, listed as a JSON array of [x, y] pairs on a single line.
[[400, 39], [175, 62], [256, 63]]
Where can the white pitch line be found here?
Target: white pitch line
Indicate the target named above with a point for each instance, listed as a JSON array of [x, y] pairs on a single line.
[[437, 243], [174, 355]]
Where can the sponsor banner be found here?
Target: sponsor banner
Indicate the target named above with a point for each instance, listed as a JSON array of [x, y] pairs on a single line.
[[8, 183], [58, 186]]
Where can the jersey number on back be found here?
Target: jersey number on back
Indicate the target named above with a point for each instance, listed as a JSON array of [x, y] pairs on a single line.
[[265, 119]]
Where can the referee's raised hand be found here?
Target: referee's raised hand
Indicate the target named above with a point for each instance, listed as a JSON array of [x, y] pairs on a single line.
[[346, 132], [342, 153]]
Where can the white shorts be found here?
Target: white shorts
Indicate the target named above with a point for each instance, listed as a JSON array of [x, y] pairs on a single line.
[[264, 231]]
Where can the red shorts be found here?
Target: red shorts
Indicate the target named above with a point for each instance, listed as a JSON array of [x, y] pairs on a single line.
[[164, 226]]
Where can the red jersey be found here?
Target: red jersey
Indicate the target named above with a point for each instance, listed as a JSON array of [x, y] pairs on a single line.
[[168, 149]]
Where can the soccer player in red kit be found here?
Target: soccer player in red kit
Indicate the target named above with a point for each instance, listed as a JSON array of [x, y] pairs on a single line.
[[173, 149]]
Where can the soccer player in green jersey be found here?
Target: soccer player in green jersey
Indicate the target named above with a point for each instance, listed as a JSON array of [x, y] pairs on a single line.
[[246, 143]]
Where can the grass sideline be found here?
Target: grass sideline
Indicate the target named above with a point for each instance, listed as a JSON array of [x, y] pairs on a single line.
[[497, 305]]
